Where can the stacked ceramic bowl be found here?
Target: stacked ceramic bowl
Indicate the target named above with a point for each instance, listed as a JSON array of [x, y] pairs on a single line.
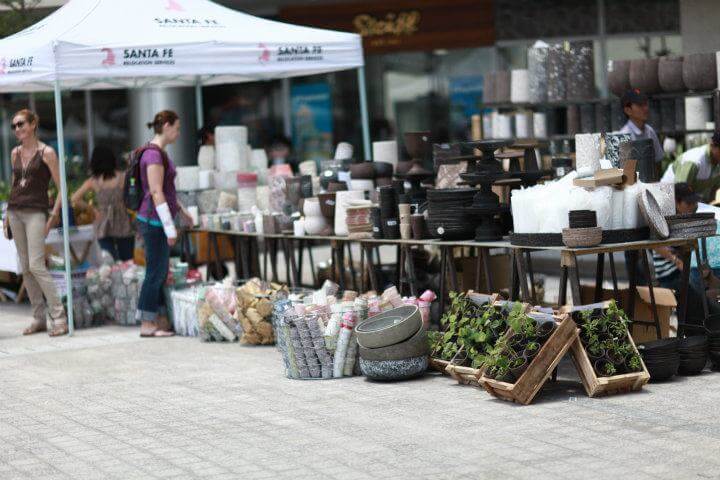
[[389, 216], [692, 225], [393, 345], [447, 213], [712, 325], [693, 352], [583, 231], [661, 358]]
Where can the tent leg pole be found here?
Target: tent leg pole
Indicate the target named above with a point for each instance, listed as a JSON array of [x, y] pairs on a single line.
[[90, 119], [287, 115], [364, 113], [200, 115], [65, 206]]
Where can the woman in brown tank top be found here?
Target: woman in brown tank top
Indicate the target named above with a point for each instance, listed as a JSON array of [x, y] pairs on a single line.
[[34, 164]]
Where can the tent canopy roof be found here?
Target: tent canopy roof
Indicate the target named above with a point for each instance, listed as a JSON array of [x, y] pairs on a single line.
[[93, 44]]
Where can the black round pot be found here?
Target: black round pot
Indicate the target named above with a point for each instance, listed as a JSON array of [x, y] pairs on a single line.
[[530, 355], [545, 329], [712, 325], [594, 358], [658, 346], [599, 366], [694, 342], [520, 369]]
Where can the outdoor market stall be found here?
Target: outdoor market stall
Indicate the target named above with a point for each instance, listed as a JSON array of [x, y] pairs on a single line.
[[106, 44]]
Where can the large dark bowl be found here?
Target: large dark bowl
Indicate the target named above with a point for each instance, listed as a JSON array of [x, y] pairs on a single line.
[[665, 345], [418, 144], [383, 169], [696, 341], [362, 171], [670, 74], [619, 77], [644, 75], [663, 372]]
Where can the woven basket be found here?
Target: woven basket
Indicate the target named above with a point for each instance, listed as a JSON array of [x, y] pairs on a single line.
[[582, 237]]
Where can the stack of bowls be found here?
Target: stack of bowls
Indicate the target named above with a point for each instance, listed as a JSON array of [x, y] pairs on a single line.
[[712, 325], [393, 345], [583, 231], [389, 217], [693, 353], [447, 213], [661, 358]]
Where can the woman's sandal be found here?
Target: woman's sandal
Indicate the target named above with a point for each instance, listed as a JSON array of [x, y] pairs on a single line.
[[59, 330], [34, 328], [158, 333]]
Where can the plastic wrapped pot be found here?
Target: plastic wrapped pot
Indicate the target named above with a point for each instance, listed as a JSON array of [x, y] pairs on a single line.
[[670, 74], [700, 72], [619, 76], [556, 77], [644, 75], [580, 71], [502, 86]]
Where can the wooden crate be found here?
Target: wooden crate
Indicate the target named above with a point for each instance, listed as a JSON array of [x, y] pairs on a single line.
[[473, 376], [531, 381], [598, 386], [438, 364]]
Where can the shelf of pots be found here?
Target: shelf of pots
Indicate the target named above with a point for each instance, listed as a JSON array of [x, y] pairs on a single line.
[[605, 354], [523, 359], [473, 324]]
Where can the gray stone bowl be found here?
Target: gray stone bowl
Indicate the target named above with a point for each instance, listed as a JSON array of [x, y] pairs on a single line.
[[644, 75], [700, 72], [389, 370], [670, 74], [619, 77], [390, 327], [415, 346]]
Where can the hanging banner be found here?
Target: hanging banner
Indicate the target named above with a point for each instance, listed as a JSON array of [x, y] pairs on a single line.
[[312, 120]]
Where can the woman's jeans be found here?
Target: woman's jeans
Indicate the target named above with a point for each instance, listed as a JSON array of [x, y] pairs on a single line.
[[157, 257], [121, 248]]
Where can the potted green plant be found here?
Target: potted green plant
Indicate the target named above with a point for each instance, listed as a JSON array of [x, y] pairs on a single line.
[[595, 351], [518, 365], [633, 363], [531, 350], [604, 368]]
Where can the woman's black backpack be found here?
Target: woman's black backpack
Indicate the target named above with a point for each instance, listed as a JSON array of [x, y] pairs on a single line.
[[133, 193]]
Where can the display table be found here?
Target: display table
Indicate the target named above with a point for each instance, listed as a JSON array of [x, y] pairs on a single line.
[[522, 285]]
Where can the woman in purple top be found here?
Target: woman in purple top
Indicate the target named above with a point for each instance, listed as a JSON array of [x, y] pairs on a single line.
[[156, 220]]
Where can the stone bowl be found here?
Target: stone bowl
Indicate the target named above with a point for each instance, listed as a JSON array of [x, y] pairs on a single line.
[[700, 72], [644, 75], [362, 171], [415, 346], [383, 169], [619, 78], [389, 327], [670, 74], [389, 370]]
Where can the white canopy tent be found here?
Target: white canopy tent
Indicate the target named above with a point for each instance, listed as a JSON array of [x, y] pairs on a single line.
[[104, 44]]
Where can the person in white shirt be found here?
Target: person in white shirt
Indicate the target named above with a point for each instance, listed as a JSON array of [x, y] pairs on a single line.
[[635, 107], [699, 167]]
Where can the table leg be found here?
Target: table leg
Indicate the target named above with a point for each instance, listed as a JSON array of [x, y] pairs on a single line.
[[486, 269], [289, 251], [514, 280], [478, 266], [684, 286], [453, 272], [300, 255], [353, 272], [443, 268], [237, 258], [703, 286], [340, 265], [411, 272], [312, 265], [362, 267], [273, 257], [562, 293], [265, 259], [632, 259], [522, 276], [531, 275], [569, 260], [651, 289], [216, 248], [616, 292], [398, 250], [371, 269], [599, 276]]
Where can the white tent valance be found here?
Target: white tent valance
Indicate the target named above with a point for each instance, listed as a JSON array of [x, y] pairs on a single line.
[[92, 44]]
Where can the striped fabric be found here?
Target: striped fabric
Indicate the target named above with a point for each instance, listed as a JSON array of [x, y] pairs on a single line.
[[663, 268]]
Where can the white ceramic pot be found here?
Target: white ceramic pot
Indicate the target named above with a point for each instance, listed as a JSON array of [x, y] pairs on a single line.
[[311, 207], [315, 225]]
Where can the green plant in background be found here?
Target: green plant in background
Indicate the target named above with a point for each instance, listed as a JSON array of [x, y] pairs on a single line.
[[4, 191]]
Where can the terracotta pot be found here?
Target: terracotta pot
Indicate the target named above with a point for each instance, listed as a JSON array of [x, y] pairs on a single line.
[[670, 74], [337, 187], [619, 77], [644, 75], [362, 171], [699, 71], [327, 205]]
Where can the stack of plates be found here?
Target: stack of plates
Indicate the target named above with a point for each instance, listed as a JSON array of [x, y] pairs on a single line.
[[693, 354], [447, 213], [582, 218], [661, 358], [692, 225]]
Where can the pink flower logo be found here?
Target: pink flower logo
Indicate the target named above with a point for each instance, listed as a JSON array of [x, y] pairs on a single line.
[[109, 57], [174, 6], [265, 54]]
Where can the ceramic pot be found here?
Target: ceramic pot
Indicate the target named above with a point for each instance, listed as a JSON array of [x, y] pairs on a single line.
[[382, 169], [327, 205], [619, 77], [315, 225], [389, 327], [404, 166], [502, 86], [417, 145], [644, 75], [700, 72], [311, 207], [670, 74]]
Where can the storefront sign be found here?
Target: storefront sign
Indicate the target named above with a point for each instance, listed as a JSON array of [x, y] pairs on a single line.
[[404, 24]]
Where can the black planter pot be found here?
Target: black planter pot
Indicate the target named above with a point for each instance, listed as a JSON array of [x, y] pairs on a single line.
[[545, 329], [599, 366], [594, 358], [519, 370]]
